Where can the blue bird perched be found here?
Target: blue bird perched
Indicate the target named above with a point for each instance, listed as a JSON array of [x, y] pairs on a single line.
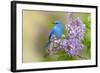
[[56, 31]]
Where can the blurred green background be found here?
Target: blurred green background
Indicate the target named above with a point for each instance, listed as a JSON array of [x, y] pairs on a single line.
[[36, 28]]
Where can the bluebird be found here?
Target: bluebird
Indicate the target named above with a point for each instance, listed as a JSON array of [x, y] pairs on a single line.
[[56, 31]]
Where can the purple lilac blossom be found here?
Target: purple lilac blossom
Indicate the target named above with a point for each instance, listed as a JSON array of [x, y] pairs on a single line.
[[72, 46], [75, 29]]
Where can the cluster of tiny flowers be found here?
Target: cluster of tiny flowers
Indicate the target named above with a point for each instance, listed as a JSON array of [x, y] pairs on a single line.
[[72, 45], [72, 42], [75, 29]]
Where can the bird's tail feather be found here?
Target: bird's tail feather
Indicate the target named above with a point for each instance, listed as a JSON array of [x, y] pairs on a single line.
[[47, 44]]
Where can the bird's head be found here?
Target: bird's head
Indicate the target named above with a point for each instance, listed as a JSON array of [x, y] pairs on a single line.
[[57, 22]]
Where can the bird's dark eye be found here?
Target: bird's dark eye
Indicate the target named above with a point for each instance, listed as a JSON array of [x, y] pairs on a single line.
[[56, 23]]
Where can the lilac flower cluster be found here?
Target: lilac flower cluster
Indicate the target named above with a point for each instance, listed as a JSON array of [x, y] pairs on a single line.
[[72, 42], [72, 46], [75, 34], [75, 29]]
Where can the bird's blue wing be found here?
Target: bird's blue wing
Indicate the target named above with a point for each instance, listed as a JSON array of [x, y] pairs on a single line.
[[58, 30], [51, 33]]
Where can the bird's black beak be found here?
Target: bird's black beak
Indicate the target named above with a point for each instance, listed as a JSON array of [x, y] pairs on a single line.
[[53, 23]]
